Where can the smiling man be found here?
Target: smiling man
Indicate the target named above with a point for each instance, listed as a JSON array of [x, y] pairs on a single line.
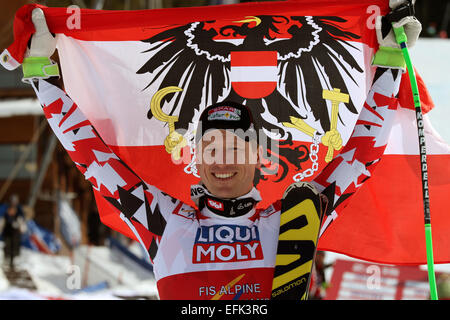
[[227, 156], [227, 149]]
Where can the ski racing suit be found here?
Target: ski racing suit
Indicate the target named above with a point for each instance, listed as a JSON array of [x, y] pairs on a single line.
[[199, 254]]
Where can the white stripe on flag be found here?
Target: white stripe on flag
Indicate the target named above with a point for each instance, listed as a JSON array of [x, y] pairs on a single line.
[[254, 74], [404, 139]]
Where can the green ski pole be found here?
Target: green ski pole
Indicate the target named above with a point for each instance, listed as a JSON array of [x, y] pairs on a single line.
[[401, 38]]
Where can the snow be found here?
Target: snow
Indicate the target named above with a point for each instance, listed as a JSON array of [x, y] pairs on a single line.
[[53, 276], [20, 107], [430, 58]]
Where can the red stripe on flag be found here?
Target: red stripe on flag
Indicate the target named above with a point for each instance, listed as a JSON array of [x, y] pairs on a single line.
[[253, 58], [383, 221], [116, 25], [138, 24], [254, 90]]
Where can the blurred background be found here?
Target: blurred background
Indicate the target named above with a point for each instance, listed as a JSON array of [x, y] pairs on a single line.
[[65, 252]]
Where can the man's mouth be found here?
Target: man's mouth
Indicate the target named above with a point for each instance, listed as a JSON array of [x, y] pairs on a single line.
[[224, 175]]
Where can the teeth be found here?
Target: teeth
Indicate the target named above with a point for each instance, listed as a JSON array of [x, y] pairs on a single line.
[[223, 175]]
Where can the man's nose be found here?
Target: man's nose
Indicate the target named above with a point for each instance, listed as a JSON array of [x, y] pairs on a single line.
[[223, 156], [223, 167]]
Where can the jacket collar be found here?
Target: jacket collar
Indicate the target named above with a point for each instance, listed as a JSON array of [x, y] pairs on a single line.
[[228, 208]]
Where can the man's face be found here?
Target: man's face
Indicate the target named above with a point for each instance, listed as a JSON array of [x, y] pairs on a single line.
[[226, 163]]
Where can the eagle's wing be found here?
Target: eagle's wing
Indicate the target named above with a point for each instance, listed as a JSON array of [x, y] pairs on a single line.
[[316, 52], [188, 57]]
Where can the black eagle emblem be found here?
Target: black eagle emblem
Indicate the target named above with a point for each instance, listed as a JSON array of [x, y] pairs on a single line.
[[309, 50]]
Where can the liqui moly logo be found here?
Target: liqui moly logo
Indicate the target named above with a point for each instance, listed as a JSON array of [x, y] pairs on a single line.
[[226, 243]]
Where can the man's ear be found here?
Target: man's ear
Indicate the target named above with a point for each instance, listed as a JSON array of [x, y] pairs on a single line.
[[259, 156], [198, 163], [198, 154]]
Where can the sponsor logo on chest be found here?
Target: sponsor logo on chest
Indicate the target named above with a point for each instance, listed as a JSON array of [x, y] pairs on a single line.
[[226, 243], [215, 204]]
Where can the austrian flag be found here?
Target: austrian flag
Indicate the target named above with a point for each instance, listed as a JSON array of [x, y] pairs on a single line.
[[136, 82]]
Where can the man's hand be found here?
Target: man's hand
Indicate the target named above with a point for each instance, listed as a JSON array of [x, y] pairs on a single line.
[[37, 62], [385, 33], [394, 4], [43, 44], [389, 53]]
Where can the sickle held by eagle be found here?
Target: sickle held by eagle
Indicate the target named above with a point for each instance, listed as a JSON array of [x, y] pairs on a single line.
[[174, 141], [155, 106]]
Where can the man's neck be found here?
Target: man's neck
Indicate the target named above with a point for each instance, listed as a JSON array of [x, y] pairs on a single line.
[[224, 207]]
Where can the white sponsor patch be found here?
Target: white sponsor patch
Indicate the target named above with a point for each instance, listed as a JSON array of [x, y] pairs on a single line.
[[224, 113]]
